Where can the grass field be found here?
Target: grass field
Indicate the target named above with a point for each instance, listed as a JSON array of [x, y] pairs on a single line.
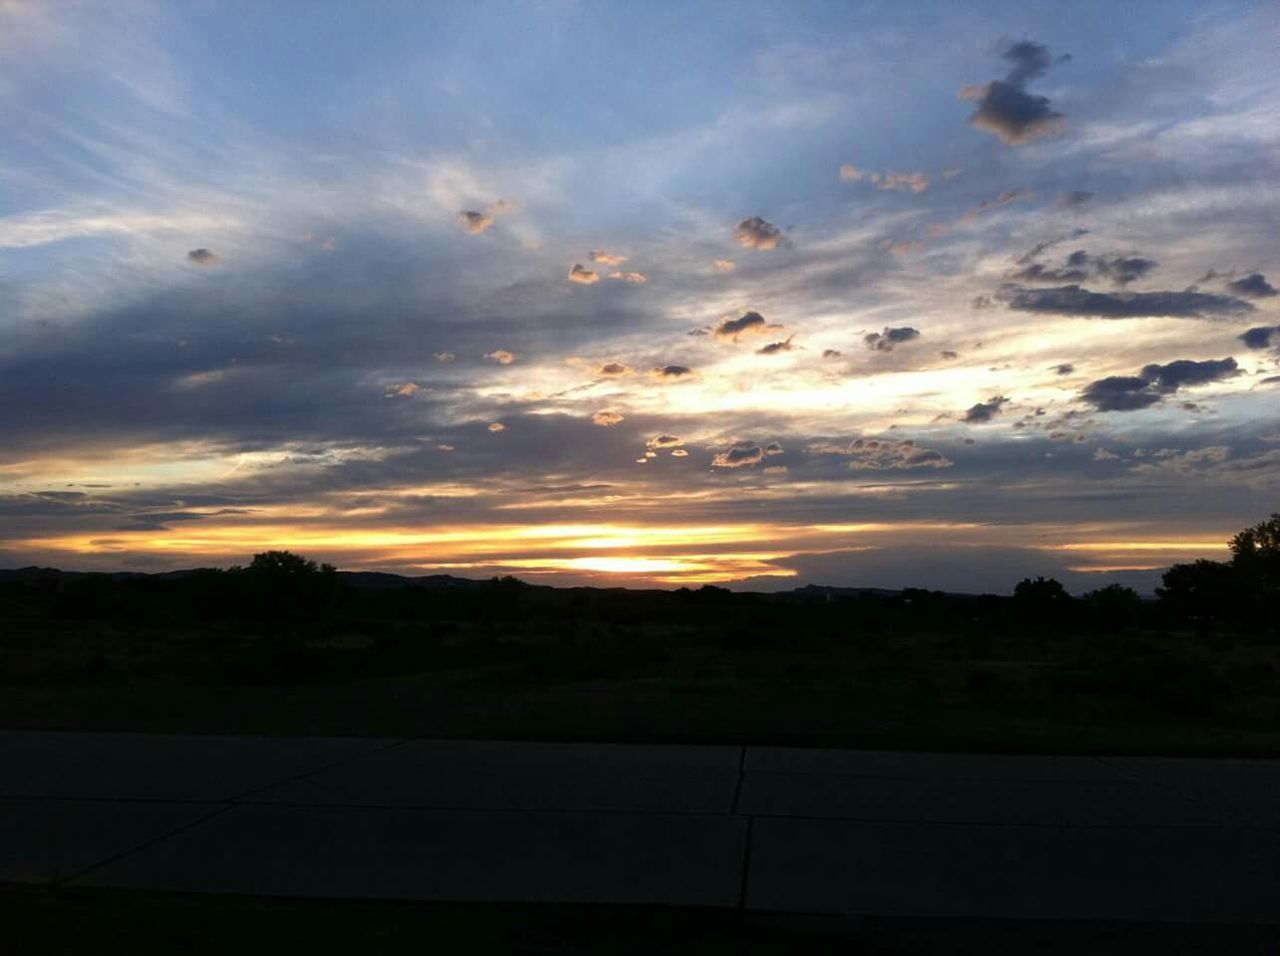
[[732, 670]]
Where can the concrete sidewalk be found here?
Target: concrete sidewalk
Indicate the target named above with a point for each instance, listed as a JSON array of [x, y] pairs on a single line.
[[768, 829]]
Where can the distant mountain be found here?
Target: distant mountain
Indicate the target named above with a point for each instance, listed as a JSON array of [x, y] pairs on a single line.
[[386, 581], [364, 580]]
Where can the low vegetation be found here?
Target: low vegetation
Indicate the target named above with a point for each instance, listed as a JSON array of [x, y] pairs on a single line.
[[1196, 669]]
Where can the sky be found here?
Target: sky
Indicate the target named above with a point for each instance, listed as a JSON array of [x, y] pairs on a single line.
[[665, 294]]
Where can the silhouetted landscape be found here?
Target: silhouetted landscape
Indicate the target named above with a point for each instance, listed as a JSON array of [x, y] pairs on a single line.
[[574, 476], [1195, 668]]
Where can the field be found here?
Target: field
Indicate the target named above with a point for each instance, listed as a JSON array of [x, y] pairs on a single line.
[[912, 670]]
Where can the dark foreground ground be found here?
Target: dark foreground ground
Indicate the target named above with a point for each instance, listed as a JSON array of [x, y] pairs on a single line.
[[109, 922], [501, 660], [547, 847]]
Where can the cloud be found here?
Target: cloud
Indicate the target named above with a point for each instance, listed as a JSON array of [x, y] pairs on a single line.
[[749, 323], [203, 257], [1066, 368], [405, 390], [1074, 300], [1031, 254], [1038, 272], [582, 276], [831, 353], [445, 357], [874, 454], [473, 222], [1255, 286], [949, 354], [1127, 393], [501, 356], [773, 348], [916, 182], [606, 258], [672, 372], [636, 277], [664, 441], [606, 419], [1073, 199], [613, 369], [724, 265], [984, 411], [496, 427], [890, 337], [759, 234], [987, 205], [1122, 269], [1101, 454], [738, 455], [1119, 393], [1117, 269], [1184, 372], [1004, 199], [1005, 108], [1261, 336], [773, 448], [679, 453]]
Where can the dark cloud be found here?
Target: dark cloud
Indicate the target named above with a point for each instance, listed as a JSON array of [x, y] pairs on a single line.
[[775, 347], [203, 257], [1074, 300], [664, 441], [984, 411], [1005, 108], [473, 222], [1122, 269], [890, 337], [749, 323], [1119, 393], [1127, 393], [757, 233], [739, 455], [1261, 336], [672, 371], [982, 303], [831, 353], [1073, 199], [612, 369], [1066, 368], [1255, 286], [949, 354], [1117, 269], [873, 454], [1183, 372]]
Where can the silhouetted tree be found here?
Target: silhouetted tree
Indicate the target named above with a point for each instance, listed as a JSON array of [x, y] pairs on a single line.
[[286, 563], [281, 585], [1255, 559], [1202, 593], [1114, 606]]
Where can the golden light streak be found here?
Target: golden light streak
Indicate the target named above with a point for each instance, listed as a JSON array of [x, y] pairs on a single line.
[[1173, 547]]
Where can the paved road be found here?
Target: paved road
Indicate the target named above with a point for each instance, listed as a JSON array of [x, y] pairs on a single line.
[[769, 829]]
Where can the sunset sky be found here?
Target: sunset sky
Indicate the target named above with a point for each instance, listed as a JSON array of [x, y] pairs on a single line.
[[762, 294]]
